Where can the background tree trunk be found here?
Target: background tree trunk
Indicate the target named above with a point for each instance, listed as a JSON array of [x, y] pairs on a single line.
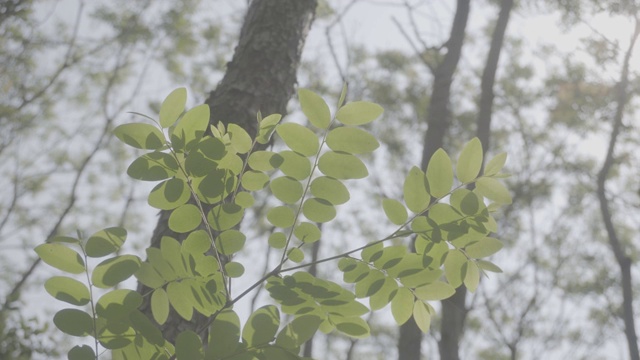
[[438, 119], [260, 77]]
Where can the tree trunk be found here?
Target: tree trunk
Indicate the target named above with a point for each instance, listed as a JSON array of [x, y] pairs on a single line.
[[438, 119], [260, 77], [623, 260]]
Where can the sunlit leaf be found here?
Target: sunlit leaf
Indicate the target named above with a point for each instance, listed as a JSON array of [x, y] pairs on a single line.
[[437, 290], [493, 190], [314, 108], [439, 174], [277, 240], [190, 128], [298, 331], [359, 113], [286, 189], [281, 216], [472, 276], [307, 232], [351, 140], [469, 161], [160, 305], [299, 138], [402, 305], [354, 327], [415, 190], [140, 136], [115, 270], [495, 164], [421, 316], [185, 218], [230, 241], [329, 189], [318, 210], [342, 166], [61, 257], [68, 290], [146, 328], [240, 139], [179, 300], [488, 266], [172, 107], [267, 126], [292, 164], [484, 247], [454, 267], [261, 160], [234, 269], [225, 216], [296, 255], [395, 211], [169, 194], [254, 180], [153, 167]]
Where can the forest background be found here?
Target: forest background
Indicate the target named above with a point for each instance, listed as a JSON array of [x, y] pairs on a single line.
[[561, 100]]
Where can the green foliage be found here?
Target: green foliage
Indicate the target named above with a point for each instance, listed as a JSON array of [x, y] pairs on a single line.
[[206, 181]]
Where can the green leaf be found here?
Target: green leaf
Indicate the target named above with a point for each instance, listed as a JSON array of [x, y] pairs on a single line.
[[370, 284], [68, 290], [61, 257], [454, 267], [224, 334], [329, 189], [115, 270], [189, 346], [493, 190], [160, 305], [225, 216], [292, 164], [169, 194], [371, 250], [197, 242], [299, 138], [74, 322], [148, 276], [153, 167], [318, 210], [244, 199], [140, 136], [342, 166], [402, 305], [179, 299], [415, 191], [105, 242], [83, 352], [190, 128], [230, 241], [146, 328], [437, 290], [351, 140], [472, 276], [261, 160], [395, 211], [495, 164], [234, 269], [267, 126], [116, 305], [63, 239], [262, 325], [314, 108], [296, 255], [240, 139], [172, 107], [354, 327], [383, 296], [307, 232], [214, 186], [277, 240], [281, 216], [422, 316], [359, 113], [484, 247], [254, 180], [185, 218], [343, 95], [488, 266], [286, 189], [298, 331], [469, 161], [439, 174]]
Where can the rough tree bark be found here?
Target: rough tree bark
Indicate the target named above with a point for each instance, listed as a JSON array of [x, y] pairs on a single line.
[[438, 119], [260, 77], [617, 246]]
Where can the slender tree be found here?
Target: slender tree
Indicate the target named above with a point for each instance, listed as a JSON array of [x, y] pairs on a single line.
[[260, 77]]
